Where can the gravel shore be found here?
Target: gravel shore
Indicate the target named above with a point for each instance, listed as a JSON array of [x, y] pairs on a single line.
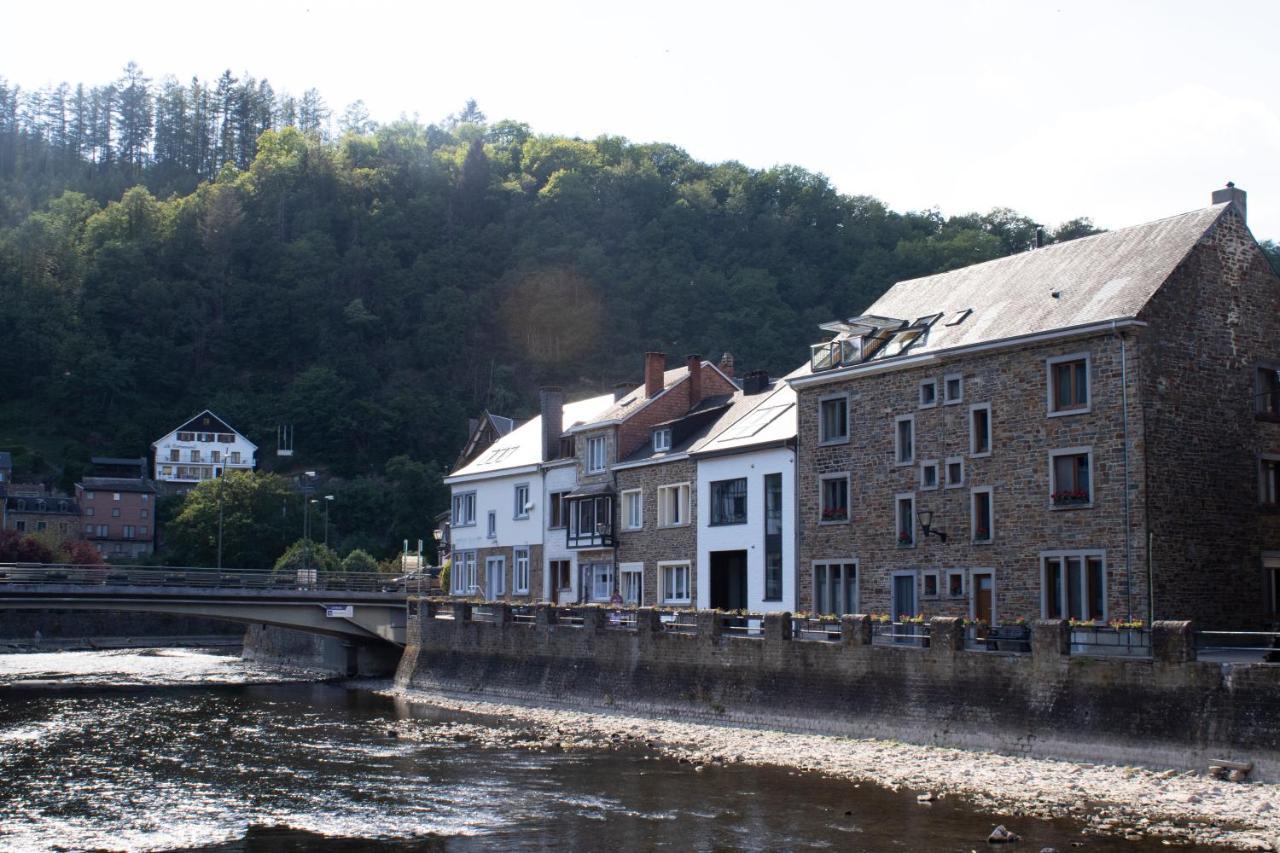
[[1131, 802]]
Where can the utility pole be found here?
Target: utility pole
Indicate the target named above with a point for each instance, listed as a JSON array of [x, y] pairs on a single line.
[[327, 500]]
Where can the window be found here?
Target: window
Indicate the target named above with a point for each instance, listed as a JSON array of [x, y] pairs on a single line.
[[520, 572], [980, 430], [833, 420], [631, 584], [115, 496], [186, 436], [1069, 472], [115, 512], [955, 583], [835, 587], [906, 520], [1269, 481], [522, 500], [904, 440], [491, 529], [142, 532], [20, 526], [88, 511], [929, 474], [90, 495], [561, 574], [675, 582], [556, 517], [129, 532], [1068, 384], [226, 438], [1074, 585], [673, 505], [595, 454], [495, 577], [662, 439], [215, 456], [928, 393], [464, 509], [144, 512], [633, 509], [235, 457], [590, 521], [195, 456], [173, 455], [729, 501], [1267, 389], [88, 530], [102, 531], [981, 517], [601, 575], [144, 497], [464, 573], [952, 389], [772, 537], [955, 472], [929, 585], [833, 498]]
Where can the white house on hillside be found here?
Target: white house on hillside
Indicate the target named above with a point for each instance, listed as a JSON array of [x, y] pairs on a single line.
[[201, 449]]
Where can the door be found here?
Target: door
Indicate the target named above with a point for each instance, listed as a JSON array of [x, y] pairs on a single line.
[[494, 575], [601, 578], [728, 581], [984, 600], [904, 596], [630, 583]]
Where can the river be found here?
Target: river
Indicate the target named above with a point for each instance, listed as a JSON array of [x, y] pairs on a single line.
[[198, 750]]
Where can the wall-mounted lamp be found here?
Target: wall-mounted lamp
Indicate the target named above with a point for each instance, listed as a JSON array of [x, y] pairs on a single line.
[[926, 524]]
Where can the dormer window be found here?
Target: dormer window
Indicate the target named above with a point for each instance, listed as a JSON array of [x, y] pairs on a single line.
[[661, 439]]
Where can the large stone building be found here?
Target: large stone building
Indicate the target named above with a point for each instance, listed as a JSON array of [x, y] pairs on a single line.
[[1086, 430]]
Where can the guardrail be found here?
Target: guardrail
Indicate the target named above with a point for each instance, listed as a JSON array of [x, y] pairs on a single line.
[[1242, 646], [815, 630], [911, 634], [101, 575], [745, 625]]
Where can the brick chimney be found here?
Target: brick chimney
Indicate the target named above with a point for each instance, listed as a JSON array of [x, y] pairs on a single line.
[[655, 364], [551, 407], [726, 364], [1233, 194], [694, 363]]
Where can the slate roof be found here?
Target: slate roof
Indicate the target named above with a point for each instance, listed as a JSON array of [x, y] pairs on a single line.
[[1108, 276], [636, 399], [20, 504], [523, 446], [118, 484], [765, 418], [215, 424], [686, 430]]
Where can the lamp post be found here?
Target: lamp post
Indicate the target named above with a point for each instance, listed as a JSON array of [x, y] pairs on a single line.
[[306, 519], [327, 500], [220, 488]]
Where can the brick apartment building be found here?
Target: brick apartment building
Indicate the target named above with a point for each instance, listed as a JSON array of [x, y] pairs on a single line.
[[118, 515], [1094, 426]]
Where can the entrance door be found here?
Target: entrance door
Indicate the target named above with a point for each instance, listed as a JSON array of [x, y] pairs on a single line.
[[904, 596], [983, 586], [494, 575], [728, 582]]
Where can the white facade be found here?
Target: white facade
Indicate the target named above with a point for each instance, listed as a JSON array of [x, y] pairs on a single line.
[[753, 466], [201, 449], [502, 517], [559, 478]]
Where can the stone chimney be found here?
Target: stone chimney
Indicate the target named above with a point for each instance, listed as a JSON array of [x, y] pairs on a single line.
[[726, 364], [694, 363], [1235, 195], [621, 390], [655, 364], [551, 407]]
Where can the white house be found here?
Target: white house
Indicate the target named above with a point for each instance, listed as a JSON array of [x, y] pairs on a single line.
[[746, 505], [201, 449]]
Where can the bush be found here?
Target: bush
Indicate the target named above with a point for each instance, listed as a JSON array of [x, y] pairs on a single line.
[[359, 561]]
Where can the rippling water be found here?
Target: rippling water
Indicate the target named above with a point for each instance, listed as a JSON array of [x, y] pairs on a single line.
[[192, 750]]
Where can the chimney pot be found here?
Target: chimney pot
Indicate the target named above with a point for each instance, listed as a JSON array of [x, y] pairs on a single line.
[[726, 364], [551, 408], [1235, 195], [694, 363], [655, 364]]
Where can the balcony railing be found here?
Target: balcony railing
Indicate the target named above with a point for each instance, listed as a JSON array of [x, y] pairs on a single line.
[[912, 634]]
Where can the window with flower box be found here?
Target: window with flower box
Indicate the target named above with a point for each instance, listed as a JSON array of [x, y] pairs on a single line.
[[981, 515], [1070, 477], [833, 498], [905, 514]]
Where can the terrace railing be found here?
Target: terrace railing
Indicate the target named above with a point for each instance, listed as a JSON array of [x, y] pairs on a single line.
[[1106, 641], [911, 634], [815, 630], [1238, 646]]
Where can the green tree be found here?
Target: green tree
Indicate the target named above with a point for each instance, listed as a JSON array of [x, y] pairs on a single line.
[[305, 554], [258, 510], [359, 561]]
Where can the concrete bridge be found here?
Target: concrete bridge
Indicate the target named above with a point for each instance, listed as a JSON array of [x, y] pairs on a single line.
[[367, 609]]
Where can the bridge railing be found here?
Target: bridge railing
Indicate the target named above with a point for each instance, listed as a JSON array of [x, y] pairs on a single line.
[[101, 575]]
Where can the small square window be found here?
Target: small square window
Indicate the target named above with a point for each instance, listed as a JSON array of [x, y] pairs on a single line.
[[1068, 384], [928, 393], [955, 584], [952, 389], [955, 472], [661, 439], [929, 474]]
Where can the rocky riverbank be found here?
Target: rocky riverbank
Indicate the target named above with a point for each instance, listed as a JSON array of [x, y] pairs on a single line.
[[1181, 807]]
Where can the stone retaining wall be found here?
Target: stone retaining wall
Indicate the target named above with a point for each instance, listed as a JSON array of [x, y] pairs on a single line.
[[1166, 710]]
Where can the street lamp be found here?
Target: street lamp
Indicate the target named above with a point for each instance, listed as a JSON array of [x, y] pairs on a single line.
[[926, 524], [306, 519], [327, 500]]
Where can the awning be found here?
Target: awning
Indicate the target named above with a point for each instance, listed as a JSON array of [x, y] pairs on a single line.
[[594, 490]]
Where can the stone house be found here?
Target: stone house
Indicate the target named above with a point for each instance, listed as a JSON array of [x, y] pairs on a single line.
[[53, 515], [1086, 430]]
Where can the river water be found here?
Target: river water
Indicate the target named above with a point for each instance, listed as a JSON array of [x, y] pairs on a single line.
[[183, 749]]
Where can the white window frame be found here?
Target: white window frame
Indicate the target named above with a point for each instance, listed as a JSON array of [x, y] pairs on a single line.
[[946, 384], [946, 472], [937, 584], [897, 499], [1049, 389], [824, 440], [682, 500], [501, 587], [848, 496], [1053, 477], [1084, 555], [989, 491], [520, 571], [964, 584], [521, 506], [974, 453], [597, 461], [611, 578], [829, 593], [937, 476], [491, 525], [1266, 496], [661, 439], [632, 498], [672, 565], [463, 570], [460, 499], [625, 569], [898, 461], [920, 403]]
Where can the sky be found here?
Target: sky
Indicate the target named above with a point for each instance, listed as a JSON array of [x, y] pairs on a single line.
[[1123, 111]]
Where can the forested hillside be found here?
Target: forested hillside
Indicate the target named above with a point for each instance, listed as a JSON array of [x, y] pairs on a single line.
[[167, 247]]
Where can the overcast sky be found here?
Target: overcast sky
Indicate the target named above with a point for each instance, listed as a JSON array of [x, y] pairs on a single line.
[[1122, 111]]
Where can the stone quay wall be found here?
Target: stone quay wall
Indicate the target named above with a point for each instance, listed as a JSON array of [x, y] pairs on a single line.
[[1166, 709]]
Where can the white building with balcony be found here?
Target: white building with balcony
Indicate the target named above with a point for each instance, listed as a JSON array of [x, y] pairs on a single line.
[[201, 449]]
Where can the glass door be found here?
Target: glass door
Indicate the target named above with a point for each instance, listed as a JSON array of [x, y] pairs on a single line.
[[494, 572]]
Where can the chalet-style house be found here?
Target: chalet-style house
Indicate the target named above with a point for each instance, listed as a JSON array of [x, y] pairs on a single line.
[[1088, 430], [201, 449], [118, 514]]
